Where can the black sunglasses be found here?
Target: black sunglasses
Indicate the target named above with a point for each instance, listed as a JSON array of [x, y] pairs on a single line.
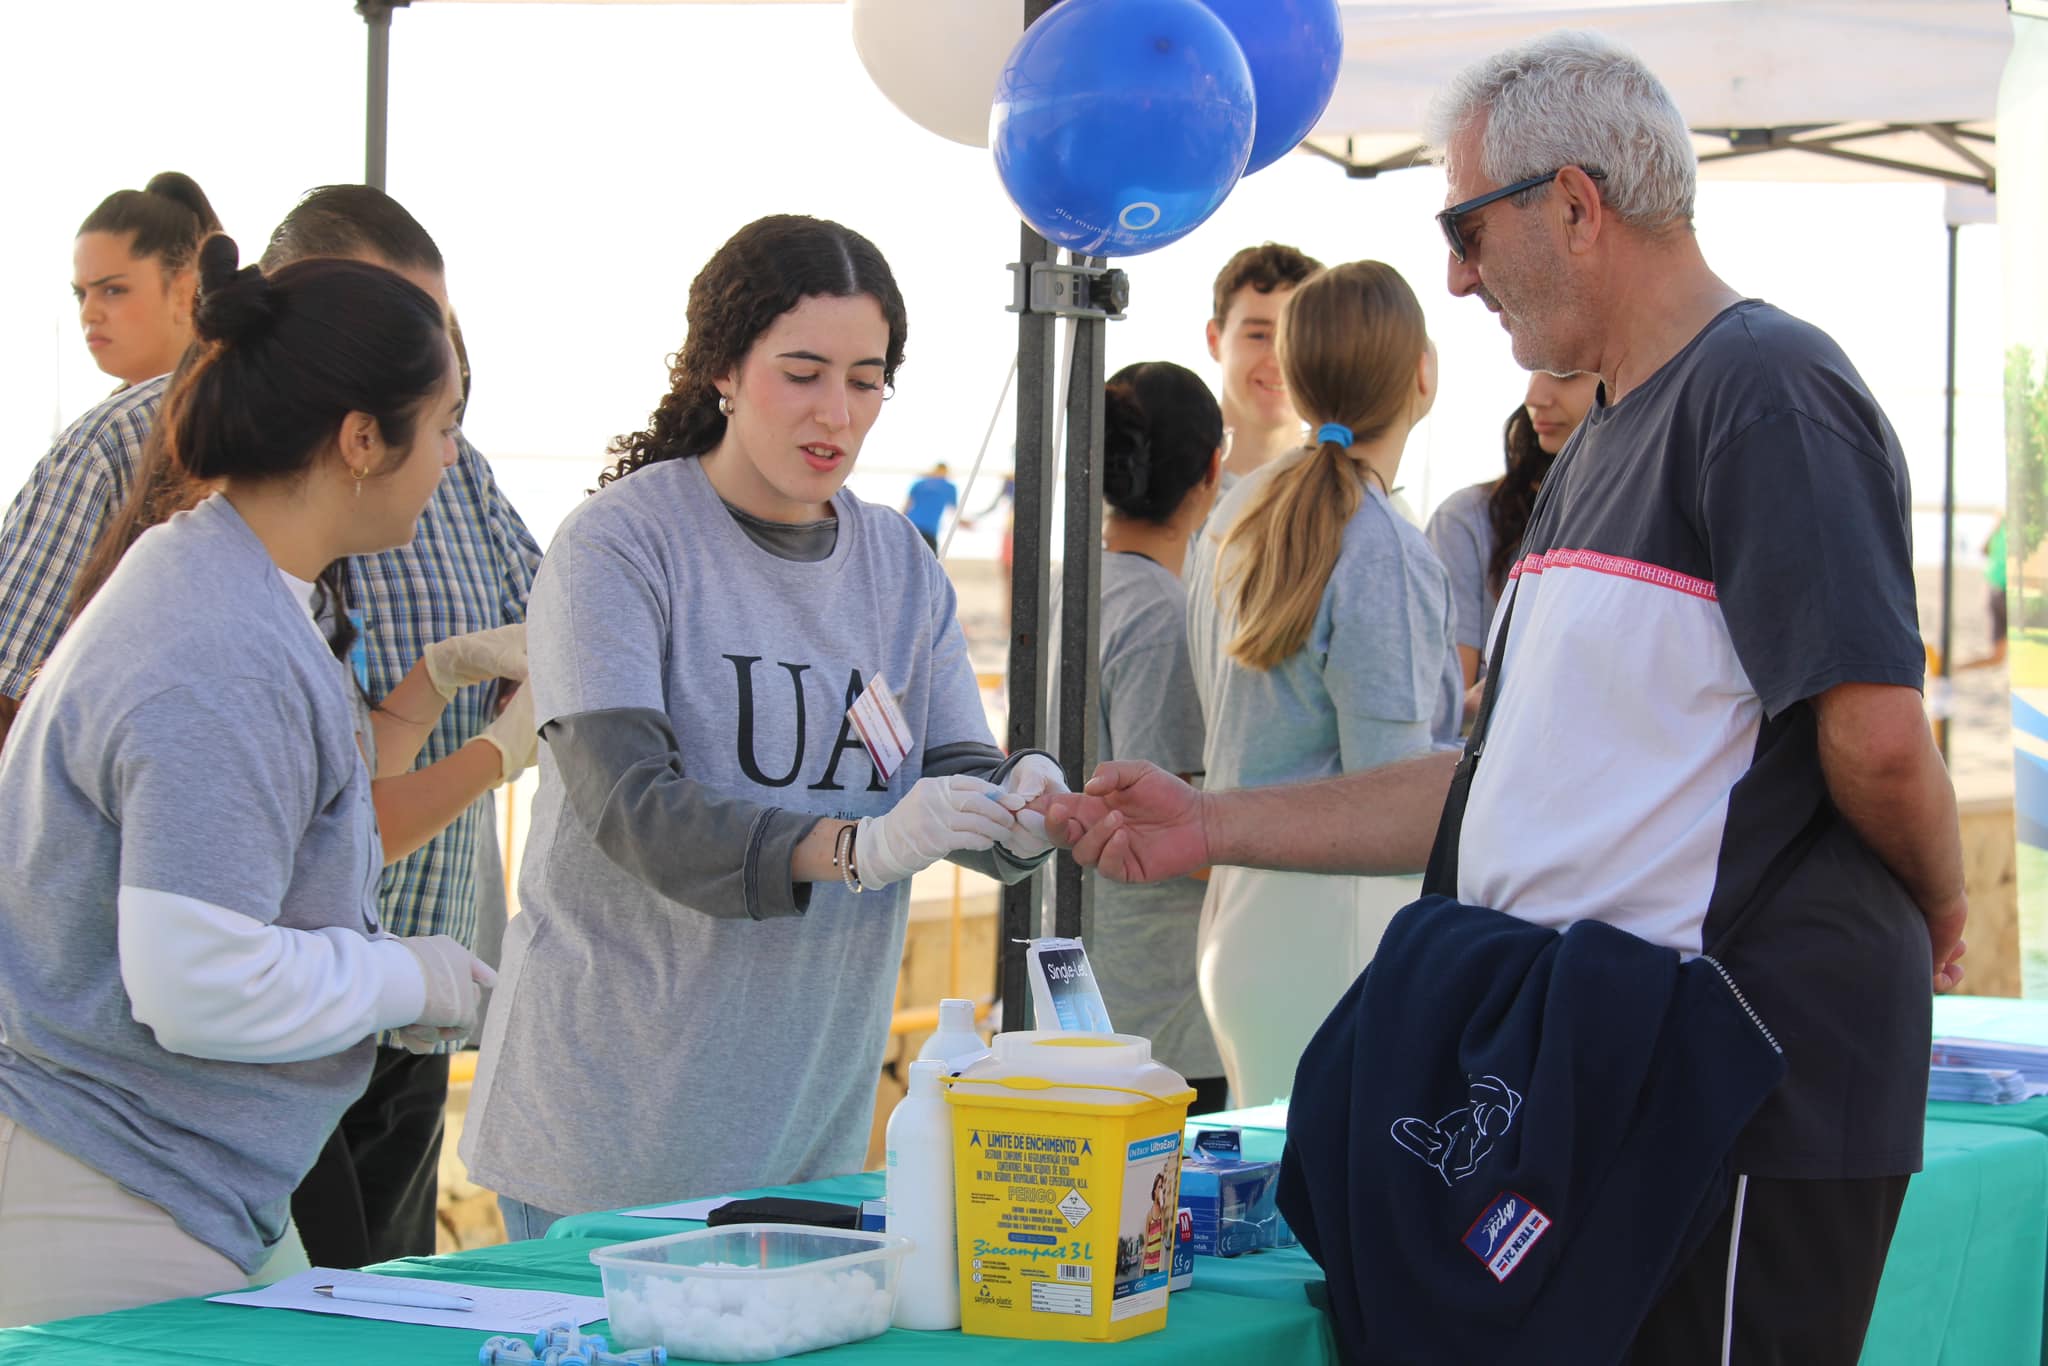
[[1448, 219]]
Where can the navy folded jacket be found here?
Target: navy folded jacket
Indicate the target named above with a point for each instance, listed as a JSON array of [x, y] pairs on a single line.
[[1505, 1140]]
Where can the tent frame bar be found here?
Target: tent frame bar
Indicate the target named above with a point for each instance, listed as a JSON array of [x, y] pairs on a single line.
[[377, 89], [1815, 139]]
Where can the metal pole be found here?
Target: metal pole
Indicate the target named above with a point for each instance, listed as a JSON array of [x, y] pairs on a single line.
[[1948, 508], [1080, 598], [1030, 602], [377, 102]]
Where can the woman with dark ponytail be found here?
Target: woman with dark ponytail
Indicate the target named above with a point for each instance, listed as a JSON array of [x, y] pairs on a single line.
[[1320, 626], [1477, 531], [1161, 466], [716, 888], [192, 969], [134, 272]]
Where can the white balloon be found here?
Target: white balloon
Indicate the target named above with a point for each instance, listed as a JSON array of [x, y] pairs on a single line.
[[938, 60]]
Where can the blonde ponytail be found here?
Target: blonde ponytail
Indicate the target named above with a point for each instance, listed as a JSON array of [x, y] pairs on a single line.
[[1350, 338]]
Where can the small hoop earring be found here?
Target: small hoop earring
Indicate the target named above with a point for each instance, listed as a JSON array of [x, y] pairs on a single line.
[[360, 475], [724, 405]]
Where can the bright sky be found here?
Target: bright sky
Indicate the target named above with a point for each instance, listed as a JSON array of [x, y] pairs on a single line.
[[578, 164]]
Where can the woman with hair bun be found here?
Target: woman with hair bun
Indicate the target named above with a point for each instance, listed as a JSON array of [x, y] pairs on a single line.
[[1320, 624], [716, 886], [192, 971], [134, 272], [1161, 467]]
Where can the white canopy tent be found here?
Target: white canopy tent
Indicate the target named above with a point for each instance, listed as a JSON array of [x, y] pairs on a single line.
[[1832, 89], [1836, 89]]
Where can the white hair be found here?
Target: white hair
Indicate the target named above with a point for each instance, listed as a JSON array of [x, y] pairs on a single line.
[[1575, 99]]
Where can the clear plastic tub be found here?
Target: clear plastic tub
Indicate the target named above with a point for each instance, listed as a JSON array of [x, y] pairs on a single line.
[[750, 1292]]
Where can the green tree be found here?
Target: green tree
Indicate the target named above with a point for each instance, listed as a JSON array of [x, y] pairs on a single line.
[[2026, 468]]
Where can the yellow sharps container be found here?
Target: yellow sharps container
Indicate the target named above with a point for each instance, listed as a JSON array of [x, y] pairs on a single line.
[[1066, 1153]]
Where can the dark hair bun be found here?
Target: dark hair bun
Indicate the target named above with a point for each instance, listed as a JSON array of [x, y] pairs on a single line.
[[184, 190], [1126, 450], [1160, 430], [233, 304]]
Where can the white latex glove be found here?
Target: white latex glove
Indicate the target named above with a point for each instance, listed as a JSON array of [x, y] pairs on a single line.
[[455, 978], [459, 661], [937, 817], [1033, 775], [514, 734]]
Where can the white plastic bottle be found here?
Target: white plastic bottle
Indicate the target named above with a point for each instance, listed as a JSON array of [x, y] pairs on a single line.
[[957, 1042], [919, 1186]]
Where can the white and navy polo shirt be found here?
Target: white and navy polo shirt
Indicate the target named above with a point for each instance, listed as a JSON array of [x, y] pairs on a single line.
[[1728, 541]]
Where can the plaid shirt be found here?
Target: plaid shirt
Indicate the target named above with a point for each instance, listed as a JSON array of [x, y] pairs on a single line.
[[55, 519], [469, 567]]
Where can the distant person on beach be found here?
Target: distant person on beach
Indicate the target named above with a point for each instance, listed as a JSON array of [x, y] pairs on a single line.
[[928, 502], [1994, 596]]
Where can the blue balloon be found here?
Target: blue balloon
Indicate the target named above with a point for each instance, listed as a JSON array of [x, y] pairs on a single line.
[[1294, 48], [1120, 125]]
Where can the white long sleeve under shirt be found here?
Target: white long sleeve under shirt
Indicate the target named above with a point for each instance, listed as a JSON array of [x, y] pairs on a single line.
[[214, 983]]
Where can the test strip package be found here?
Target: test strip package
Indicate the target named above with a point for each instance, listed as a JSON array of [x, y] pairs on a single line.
[[1063, 991], [1231, 1202]]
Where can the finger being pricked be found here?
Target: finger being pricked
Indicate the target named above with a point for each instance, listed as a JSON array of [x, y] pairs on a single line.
[[1069, 816]]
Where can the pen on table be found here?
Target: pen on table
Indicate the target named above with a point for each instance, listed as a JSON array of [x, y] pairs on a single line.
[[399, 1295]]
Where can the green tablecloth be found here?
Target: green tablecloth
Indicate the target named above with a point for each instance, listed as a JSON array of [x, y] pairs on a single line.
[[1264, 1276], [1253, 1328], [1965, 1278], [1964, 1283]]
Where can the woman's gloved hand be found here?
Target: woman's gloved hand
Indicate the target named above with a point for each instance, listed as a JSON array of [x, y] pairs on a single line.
[[461, 661], [513, 733], [455, 979], [937, 817], [1032, 776]]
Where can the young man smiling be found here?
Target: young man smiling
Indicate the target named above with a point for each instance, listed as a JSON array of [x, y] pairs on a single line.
[[1258, 421]]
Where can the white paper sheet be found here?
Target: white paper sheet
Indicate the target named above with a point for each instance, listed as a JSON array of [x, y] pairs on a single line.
[[496, 1311], [700, 1210]]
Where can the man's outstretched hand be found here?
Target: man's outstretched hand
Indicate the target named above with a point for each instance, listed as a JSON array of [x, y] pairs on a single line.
[[1134, 822]]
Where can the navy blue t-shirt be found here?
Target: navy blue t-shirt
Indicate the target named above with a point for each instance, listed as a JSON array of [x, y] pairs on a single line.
[[1728, 541]]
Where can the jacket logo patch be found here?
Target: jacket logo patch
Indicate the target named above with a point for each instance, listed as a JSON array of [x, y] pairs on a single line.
[[1502, 1236], [1456, 1144]]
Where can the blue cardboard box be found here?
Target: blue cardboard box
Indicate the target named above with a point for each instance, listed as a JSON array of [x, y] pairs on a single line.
[[1231, 1202]]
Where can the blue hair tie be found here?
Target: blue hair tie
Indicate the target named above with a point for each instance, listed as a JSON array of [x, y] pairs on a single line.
[[1333, 431]]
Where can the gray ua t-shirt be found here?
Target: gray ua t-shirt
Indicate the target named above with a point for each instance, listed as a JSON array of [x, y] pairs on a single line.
[[1142, 947], [1377, 680], [641, 1048], [191, 735]]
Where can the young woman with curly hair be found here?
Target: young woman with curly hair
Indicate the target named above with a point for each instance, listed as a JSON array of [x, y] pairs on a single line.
[[716, 888]]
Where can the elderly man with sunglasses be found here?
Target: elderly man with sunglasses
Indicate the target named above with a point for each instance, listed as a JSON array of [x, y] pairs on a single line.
[[1708, 729]]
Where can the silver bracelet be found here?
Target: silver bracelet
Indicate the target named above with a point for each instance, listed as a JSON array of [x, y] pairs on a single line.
[[842, 856]]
